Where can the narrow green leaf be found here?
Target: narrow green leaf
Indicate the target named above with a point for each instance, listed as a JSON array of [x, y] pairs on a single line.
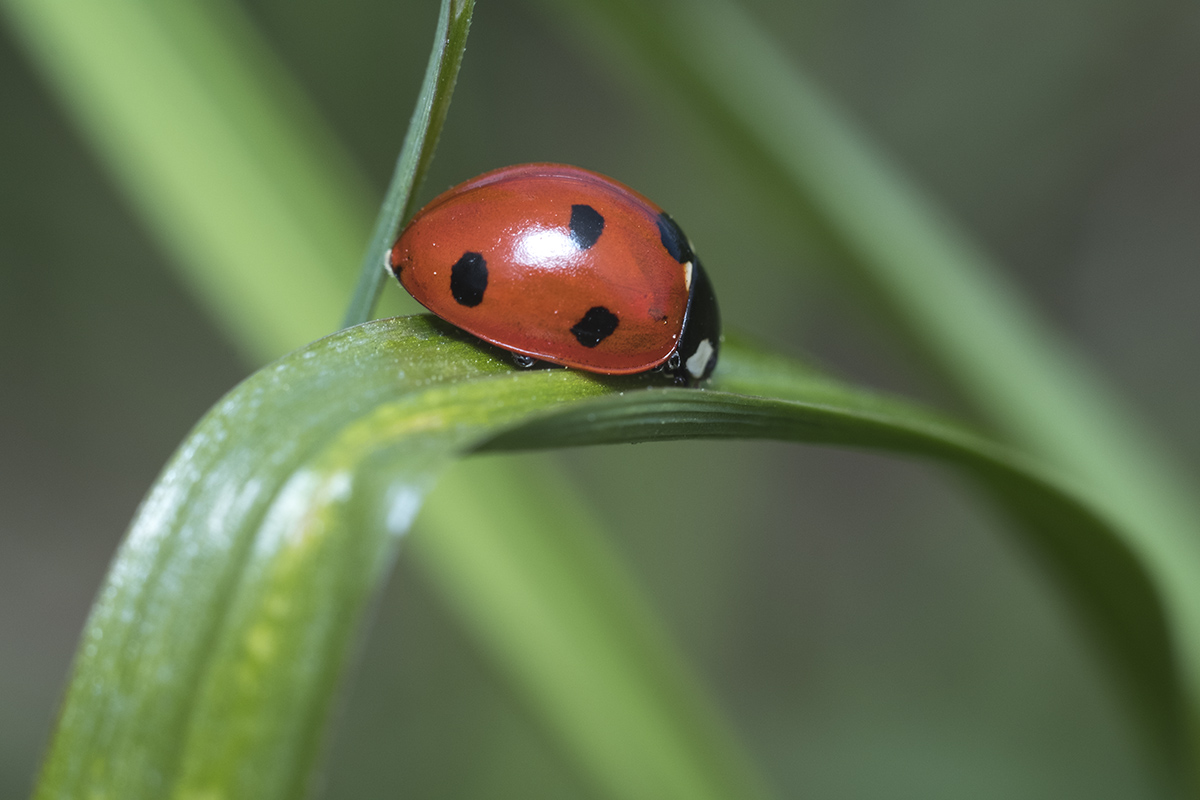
[[450, 41], [218, 150], [529, 576], [211, 660]]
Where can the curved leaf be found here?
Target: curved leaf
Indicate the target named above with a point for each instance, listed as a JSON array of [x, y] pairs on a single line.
[[212, 657]]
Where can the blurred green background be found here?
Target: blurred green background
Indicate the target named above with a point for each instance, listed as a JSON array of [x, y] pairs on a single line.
[[866, 623]]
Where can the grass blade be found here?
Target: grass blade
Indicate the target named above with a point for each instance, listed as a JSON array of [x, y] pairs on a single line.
[[528, 575], [450, 41], [219, 152], [212, 658]]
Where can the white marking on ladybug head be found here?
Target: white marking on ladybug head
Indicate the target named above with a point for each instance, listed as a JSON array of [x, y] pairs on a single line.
[[687, 275], [699, 359]]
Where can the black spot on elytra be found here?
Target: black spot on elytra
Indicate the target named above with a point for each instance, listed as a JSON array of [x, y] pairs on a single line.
[[596, 326], [673, 238], [586, 225], [468, 279]]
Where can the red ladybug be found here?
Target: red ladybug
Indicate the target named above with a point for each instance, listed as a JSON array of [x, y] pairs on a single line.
[[564, 265]]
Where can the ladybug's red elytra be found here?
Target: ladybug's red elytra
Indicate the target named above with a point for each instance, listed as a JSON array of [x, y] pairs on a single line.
[[557, 263]]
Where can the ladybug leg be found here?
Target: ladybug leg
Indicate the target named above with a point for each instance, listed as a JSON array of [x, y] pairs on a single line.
[[672, 368], [524, 362]]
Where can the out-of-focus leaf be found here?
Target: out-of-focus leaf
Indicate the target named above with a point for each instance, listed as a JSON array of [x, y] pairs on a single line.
[[956, 304], [219, 152]]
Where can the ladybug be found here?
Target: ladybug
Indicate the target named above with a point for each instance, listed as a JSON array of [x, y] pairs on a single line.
[[560, 264]]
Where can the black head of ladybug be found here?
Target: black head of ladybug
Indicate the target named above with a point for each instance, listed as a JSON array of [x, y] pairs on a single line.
[[696, 356]]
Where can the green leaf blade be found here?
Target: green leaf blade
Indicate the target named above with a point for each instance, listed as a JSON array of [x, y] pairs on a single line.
[[591, 664], [176, 667], [221, 635], [217, 150], [416, 154]]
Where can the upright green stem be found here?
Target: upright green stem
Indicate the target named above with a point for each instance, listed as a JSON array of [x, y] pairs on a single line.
[[454, 21]]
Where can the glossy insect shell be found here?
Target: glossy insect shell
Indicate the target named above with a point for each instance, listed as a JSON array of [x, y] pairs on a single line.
[[563, 265]]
